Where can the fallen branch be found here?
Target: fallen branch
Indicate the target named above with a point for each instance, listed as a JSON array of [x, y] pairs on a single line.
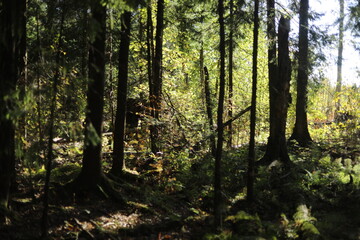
[[227, 123], [242, 112]]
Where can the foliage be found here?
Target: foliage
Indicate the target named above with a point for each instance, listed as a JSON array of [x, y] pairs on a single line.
[[317, 198]]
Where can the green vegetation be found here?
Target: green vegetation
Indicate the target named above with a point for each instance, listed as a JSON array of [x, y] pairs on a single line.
[[111, 127]]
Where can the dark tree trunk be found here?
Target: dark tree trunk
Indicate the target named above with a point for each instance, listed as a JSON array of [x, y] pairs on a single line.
[[300, 132], [119, 131], [111, 75], [251, 162], [149, 56], [272, 70], [85, 52], [150, 47], [209, 109], [340, 57], [279, 99], [40, 62], [12, 34], [91, 170], [231, 92], [50, 155], [219, 146], [155, 99]]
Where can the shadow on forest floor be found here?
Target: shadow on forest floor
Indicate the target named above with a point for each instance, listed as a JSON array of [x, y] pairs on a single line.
[[319, 198]]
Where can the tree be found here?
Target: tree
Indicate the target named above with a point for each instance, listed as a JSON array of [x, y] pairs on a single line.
[[149, 49], [119, 131], [209, 109], [91, 170], [220, 129], [251, 162], [272, 69], [155, 98], [50, 154], [300, 132], [279, 98], [13, 32], [231, 85], [340, 56]]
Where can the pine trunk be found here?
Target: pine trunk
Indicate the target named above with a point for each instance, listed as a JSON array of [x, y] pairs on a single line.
[[231, 91], [209, 110], [156, 98], [279, 98], [251, 161], [340, 58], [300, 132], [91, 170], [119, 131], [12, 32], [220, 111]]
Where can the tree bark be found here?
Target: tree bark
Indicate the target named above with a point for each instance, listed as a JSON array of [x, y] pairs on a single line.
[[50, 155], [251, 161], [219, 146], [340, 58], [149, 47], [279, 99], [155, 100], [272, 71], [301, 132], [209, 109], [90, 173], [231, 92], [12, 34], [119, 131]]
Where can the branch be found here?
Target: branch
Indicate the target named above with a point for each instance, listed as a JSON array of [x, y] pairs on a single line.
[[227, 123]]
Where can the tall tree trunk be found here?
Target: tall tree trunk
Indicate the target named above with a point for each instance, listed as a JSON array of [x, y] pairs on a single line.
[[157, 79], [340, 58], [111, 73], [219, 146], [84, 41], [279, 99], [119, 131], [202, 74], [150, 50], [209, 110], [231, 92], [22, 83], [91, 170], [40, 63], [300, 132], [12, 34], [251, 161], [50, 155], [272, 72]]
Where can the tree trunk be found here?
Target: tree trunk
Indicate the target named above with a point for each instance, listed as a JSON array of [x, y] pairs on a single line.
[[209, 109], [12, 34], [272, 70], [251, 162], [111, 74], [50, 155], [91, 170], [150, 51], [340, 58], [150, 47], [279, 99], [219, 147], [155, 99], [231, 50], [119, 131], [300, 132]]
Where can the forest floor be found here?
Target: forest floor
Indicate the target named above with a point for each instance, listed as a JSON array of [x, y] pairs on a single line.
[[319, 198]]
